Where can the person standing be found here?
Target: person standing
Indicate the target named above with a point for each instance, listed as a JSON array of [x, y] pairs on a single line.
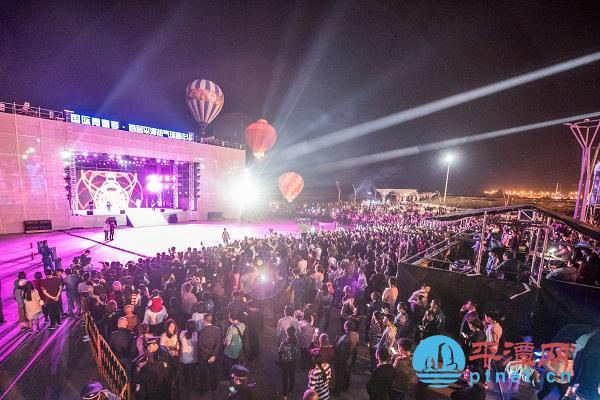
[[52, 289], [288, 355], [390, 294], [405, 378], [379, 385], [122, 343], [226, 237], [319, 377], [306, 334], [155, 372], [189, 359], [111, 228], [106, 229], [374, 337], [19, 296], [170, 339], [234, 342], [33, 306], [71, 283], [434, 320], [209, 343], [241, 389], [284, 323], [467, 312], [345, 357]]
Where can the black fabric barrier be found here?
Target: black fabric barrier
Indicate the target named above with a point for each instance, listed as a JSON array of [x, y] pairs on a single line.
[[513, 299], [560, 304]]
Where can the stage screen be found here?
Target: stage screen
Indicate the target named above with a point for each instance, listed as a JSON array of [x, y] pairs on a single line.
[[121, 189]]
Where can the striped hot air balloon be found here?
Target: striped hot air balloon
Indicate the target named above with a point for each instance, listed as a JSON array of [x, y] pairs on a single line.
[[205, 100], [290, 185], [260, 137]]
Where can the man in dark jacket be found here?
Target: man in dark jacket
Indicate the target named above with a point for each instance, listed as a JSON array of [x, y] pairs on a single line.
[[156, 371], [379, 385], [122, 343], [241, 389], [209, 344]]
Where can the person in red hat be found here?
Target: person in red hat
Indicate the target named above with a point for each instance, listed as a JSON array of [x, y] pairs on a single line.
[[155, 314]]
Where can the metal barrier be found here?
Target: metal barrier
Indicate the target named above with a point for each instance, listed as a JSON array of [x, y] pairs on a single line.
[[108, 364]]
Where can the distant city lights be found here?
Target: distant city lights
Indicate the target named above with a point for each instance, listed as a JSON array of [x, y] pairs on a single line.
[[530, 194]]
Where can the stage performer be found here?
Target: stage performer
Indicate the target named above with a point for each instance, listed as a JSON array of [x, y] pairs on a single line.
[[107, 225], [226, 237], [108, 205], [112, 226], [91, 205]]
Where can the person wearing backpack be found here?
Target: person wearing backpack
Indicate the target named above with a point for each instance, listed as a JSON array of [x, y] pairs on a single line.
[[289, 353], [234, 344]]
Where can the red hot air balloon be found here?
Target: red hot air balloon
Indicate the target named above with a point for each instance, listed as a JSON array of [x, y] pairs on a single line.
[[260, 137], [290, 185]]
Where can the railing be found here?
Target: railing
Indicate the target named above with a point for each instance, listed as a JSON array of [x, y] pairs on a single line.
[[26, 109], [223, 143], [108, 364], [38, 112]]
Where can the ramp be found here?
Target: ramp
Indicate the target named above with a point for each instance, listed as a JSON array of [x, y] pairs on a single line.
[[146, 217]]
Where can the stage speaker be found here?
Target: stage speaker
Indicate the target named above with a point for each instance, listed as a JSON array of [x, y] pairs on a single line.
[[172, 218], [122, 212], [90, 212], [45, 225], [162, 210], [214, 216]]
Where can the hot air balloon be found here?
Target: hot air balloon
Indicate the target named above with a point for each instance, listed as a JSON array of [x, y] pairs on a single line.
[[205, 100], [260, 137], [290, 185]]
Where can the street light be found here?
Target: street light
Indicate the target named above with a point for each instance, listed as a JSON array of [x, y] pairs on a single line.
[[449, 158]]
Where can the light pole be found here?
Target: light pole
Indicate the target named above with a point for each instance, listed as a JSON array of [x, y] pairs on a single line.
[[449, 158]]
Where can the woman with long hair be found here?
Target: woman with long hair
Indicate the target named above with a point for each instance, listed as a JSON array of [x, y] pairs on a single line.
[[189, 358], [33, 305], [170, 338]]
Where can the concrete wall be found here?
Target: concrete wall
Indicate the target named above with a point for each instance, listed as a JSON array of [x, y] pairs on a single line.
[[34, 188]]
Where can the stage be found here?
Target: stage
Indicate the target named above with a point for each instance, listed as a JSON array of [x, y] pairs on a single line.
[[147, 241]]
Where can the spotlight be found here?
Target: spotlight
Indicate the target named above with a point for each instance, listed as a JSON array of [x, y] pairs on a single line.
[[244, 191], [153, 185], [85, 154], [65, 154]]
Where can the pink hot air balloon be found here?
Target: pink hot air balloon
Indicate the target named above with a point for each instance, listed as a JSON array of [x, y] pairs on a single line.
[[260, 137], [290, 185]]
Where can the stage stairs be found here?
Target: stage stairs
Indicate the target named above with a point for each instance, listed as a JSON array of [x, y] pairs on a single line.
[[146, 217]]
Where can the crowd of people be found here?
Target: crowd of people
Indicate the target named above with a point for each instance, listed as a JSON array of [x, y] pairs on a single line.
[[184, 321]]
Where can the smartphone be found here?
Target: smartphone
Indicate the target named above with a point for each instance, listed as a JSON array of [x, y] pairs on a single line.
[[393, 350], [317, 331]]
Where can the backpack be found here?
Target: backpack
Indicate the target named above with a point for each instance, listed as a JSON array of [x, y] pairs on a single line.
[[240, 345], [288, 351]]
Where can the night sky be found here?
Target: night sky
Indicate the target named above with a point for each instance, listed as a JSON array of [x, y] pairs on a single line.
[[312, 68]]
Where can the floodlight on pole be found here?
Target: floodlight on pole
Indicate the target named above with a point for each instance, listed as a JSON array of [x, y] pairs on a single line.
[[448, 158]]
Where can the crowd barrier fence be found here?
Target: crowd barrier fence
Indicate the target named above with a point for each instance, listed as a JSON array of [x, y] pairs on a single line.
[[108, 364]]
